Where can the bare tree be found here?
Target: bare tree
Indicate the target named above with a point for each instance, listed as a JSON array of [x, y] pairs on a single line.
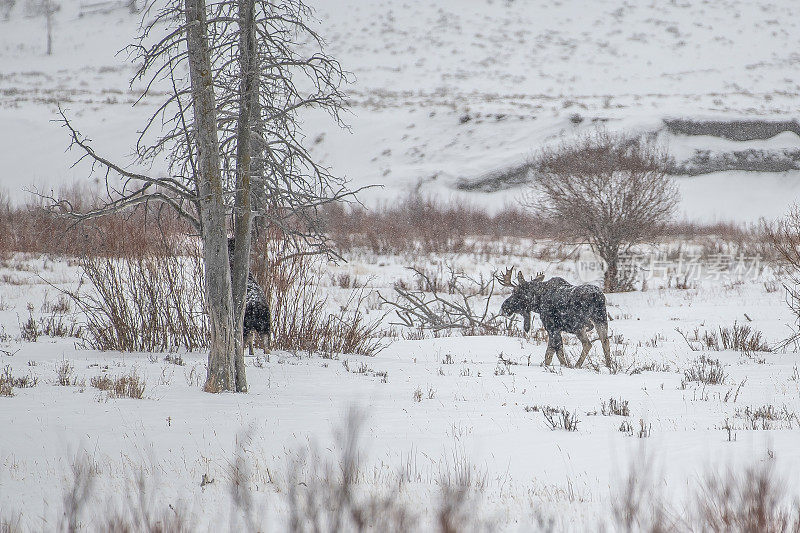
[[230, 133], [785, 239], [610, 191], [40, 8], [6, 7]]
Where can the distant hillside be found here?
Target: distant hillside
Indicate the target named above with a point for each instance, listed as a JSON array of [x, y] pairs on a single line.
[[448, 92]]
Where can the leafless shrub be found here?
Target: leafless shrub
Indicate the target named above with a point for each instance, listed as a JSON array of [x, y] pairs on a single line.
[[560, 418], [55, 325], [155, 302], [364, 368], [127, 386], [80, 501], [654, 341], [149, 302], [733, 393], [610, 190], [8, 524], [458, 500], [638, 506], [174, 359], [706, 370], [62, 305], [8, 382], [77, 494], [423, 226], [29, 331], [34, 228], [739, 337], [325, 496], [730, 429], [615, 406], [644, 429], [771, 286], [6, 7], [503, 367], [300, 320], [785, 239], [750, 500]]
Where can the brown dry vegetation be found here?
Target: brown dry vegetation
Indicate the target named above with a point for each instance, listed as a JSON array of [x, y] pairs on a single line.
[[415, 225], [31, 227]]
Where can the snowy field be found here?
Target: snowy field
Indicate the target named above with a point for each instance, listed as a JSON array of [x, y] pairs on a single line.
[[442, 92], [458, 407]]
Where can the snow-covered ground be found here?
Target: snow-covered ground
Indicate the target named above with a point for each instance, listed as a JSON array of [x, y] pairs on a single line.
[[471, 409], [442, 91], [519, 71]]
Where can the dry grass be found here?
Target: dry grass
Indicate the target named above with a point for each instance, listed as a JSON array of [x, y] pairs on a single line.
[[126, 386], [765, 417], [8, 382], [615, 406], [560, 418], [6, 387], [739, 337], [706, 370], [65, 374]]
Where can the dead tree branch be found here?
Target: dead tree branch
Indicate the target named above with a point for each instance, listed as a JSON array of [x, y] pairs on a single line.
[[466, 307]]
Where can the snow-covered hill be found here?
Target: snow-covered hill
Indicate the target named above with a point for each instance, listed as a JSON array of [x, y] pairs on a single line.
[[452, 90]]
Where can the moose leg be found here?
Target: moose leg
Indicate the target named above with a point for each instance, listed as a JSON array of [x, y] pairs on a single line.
[[551, 349], [562, 356], [583, 336], [250, 339], [555, 345], [602, 332]]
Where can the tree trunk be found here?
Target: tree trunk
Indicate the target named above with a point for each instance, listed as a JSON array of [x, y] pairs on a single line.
[[611, 276], [48, 15], [221, 367], [243, 219]]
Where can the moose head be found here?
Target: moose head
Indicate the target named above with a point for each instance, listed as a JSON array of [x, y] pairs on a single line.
[[524, 298]]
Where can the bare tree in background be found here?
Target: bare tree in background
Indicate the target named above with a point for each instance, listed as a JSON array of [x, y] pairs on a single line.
[[41, 8], [229, 131], [785, 239], [6, 7], [610, 191]]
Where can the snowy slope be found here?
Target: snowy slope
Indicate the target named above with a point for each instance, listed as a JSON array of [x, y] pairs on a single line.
[[517, 70]]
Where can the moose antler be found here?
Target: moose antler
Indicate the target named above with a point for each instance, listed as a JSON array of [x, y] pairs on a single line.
[[539, 276], [505, 280]]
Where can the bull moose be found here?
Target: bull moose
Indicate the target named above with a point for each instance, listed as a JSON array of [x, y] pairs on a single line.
[[563, 308]]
